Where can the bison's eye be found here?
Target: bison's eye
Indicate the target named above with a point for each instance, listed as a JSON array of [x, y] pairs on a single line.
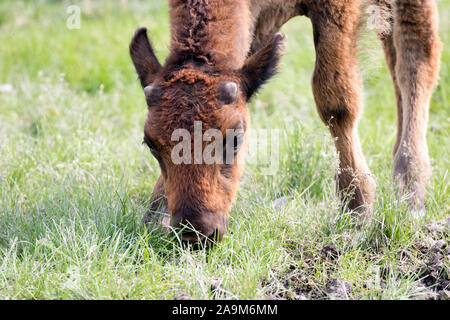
[[232, 144], [231, 147], [237, 142]]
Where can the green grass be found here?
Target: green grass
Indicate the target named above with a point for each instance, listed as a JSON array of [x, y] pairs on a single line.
[[75, 180]]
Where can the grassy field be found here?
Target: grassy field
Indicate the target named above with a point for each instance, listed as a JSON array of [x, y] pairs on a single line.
[[75, 179]]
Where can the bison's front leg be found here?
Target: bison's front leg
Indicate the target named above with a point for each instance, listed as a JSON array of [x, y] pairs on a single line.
[[158, 215], [337, 89]]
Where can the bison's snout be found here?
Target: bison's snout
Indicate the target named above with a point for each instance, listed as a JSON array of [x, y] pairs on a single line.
[[198, 225]]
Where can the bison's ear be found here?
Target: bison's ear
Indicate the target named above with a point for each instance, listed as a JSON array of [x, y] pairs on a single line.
[[144, 59], [262, 65]]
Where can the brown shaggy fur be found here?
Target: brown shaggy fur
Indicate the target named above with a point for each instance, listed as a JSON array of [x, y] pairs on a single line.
[[219, 41]]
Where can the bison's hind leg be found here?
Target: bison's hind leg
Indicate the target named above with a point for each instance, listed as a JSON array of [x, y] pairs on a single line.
[[412, 52]]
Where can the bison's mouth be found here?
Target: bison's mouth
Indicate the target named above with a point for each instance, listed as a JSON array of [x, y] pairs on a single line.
[[193, 237]]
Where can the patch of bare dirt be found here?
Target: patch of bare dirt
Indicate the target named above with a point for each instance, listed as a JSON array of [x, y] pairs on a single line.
[[433, 270], [296, 282], [429, 267], [338, 289]]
